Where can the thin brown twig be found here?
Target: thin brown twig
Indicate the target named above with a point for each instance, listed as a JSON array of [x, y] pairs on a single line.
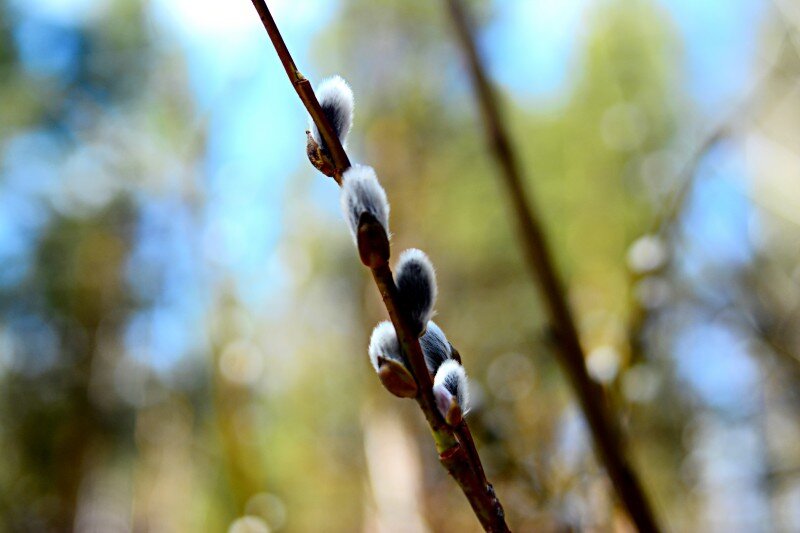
[[304, 90], [603, 425], [457, 451]]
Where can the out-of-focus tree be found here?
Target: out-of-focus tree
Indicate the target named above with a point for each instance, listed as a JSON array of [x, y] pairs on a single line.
[[75, 172], [62, 421]]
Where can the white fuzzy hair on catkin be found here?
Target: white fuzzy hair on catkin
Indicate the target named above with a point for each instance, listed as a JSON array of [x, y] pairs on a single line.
[[384, 343], [452, 377], [362, 193], [336, 100], [416, 284]]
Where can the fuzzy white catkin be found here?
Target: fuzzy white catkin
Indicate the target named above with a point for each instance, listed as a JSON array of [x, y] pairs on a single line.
[[362, 193], [452, 377], [435, 347], [384, 343], [416, 285], [336, 99]]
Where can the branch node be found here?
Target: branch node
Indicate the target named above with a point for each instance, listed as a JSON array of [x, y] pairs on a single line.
[[318, 157]]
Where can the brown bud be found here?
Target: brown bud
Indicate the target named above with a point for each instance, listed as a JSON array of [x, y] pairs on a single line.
[[455, 354], [396, 378], [373, 242], [454, 415], [318, 158]]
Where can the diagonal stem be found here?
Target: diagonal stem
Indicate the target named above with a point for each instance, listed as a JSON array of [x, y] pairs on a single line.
[[457, 451], [304, 90], [603, 424]]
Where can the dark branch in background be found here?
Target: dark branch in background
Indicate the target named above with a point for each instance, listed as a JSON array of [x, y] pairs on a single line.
[[456, 449], [603, 424]]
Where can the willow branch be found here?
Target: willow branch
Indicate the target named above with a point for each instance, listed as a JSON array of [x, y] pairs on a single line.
[[304, 90], [457, 451], [604, 426]]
